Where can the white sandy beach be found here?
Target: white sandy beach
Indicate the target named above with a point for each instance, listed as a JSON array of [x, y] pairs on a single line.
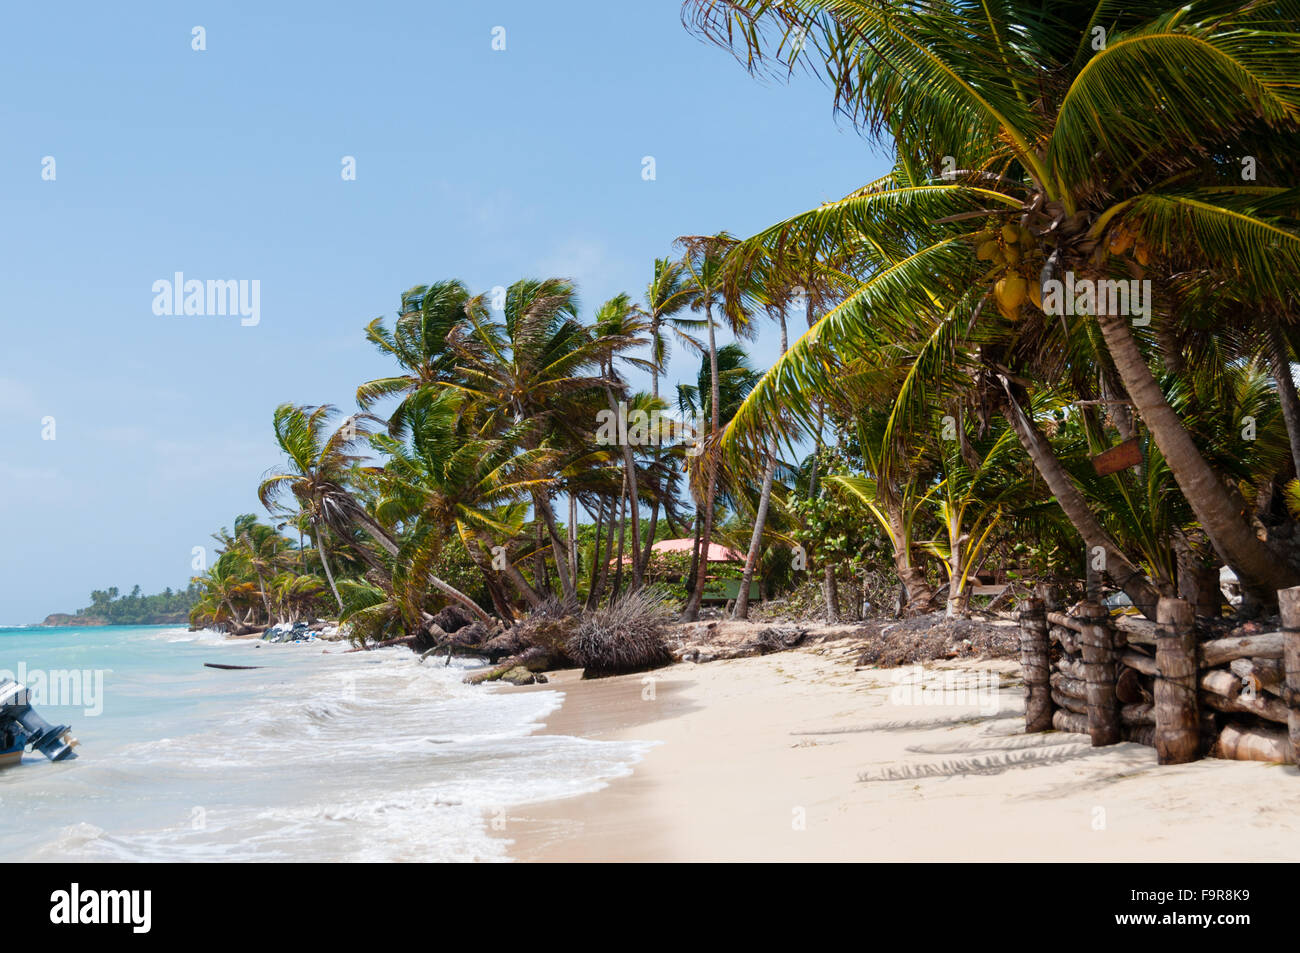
[[764, 759]]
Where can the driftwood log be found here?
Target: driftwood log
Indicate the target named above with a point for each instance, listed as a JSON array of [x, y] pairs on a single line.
[[1070, 721], [1137, 629], [1139, 714]]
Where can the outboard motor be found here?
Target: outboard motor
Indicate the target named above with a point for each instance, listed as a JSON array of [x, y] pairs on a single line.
[[17, 715]]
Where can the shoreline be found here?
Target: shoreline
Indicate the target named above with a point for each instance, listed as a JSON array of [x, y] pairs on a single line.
[[801, 756]]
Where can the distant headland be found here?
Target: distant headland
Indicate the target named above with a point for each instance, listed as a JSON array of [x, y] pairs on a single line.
[[108, 607]]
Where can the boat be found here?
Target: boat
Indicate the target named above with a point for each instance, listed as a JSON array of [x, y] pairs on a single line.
[[22, 728]]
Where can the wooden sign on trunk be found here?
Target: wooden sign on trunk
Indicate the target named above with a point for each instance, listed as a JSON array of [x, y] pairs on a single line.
[[1120, 457]]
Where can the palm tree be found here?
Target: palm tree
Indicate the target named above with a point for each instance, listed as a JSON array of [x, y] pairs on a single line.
[[620, 327], [448, 480], [706, 287], [536, 373], [1034, 127], [431, 318], [320, 464], [725, 379]]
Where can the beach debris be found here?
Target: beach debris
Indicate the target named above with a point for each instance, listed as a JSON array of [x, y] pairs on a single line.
[[628, 636], [231, 667], [289, 632]]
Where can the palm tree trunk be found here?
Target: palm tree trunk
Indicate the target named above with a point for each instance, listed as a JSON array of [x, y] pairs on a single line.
[[324, 561], [609, 551], [741, 610], [622, 533], [573, 537], [831, 591], [593, 593], [266, 603], [380, 536], [760, 518], [1280, 360], [920, 595], [543, 505], [511, 571], [1118, 566], [1256, 565], [711, 474]]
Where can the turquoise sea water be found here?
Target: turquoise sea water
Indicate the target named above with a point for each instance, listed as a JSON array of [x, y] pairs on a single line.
[[316, 756]]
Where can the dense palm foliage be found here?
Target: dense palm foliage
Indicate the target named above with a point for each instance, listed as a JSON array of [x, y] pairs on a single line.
[[1089, 237]]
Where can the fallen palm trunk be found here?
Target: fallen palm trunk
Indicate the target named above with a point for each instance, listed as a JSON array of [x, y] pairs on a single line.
[[519, 669]]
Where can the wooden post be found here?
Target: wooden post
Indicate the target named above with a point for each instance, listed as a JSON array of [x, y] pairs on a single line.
[[1035, 664], [1178, 722], [1288, 601], [1092, 584], [1098, 642]]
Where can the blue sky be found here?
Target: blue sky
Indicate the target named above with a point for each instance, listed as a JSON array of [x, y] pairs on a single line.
[[225, 164]]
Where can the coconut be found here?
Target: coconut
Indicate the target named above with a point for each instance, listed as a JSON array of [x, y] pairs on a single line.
[[1011, 291]]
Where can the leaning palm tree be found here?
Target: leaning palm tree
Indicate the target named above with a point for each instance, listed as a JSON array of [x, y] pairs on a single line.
[[447, 481], [430, 319], [1051, 165], [320, 464]]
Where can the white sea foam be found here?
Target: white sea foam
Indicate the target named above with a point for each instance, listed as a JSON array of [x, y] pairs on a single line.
[[371, 756]]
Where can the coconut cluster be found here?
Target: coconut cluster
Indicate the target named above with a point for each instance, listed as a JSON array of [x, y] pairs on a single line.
[[1013, 251]]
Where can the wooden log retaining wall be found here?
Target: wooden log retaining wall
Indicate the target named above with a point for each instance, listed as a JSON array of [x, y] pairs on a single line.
[[1130, 679]]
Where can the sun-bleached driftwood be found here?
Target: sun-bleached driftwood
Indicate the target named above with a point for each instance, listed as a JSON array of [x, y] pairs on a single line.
[[1070, 703], [1069, 685], [1218, 651], [1065, 621], [1263, 674], [1253, 744], [1066, 638], [1072, 667], [1139, 734]]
